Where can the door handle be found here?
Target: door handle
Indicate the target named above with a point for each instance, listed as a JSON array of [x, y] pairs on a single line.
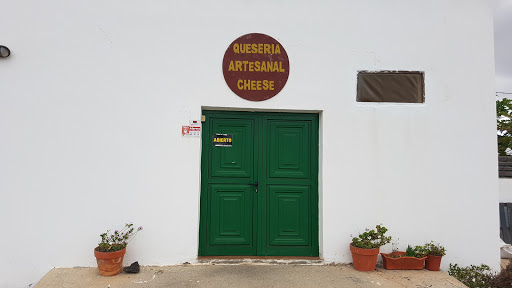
[[255, 186]]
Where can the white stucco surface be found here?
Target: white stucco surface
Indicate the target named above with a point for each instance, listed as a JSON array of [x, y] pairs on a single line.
[[94, 94], [505, 185]]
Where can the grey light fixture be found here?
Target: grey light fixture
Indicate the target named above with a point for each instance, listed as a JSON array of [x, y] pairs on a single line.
[[4, 52]]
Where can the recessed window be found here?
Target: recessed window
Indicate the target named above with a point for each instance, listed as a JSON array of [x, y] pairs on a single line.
[[505, 166], [391, 86]]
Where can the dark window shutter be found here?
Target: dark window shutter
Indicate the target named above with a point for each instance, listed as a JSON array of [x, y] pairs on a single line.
[[387, 86]]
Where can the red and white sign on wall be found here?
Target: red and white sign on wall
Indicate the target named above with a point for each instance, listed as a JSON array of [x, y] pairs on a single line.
[[194, 129], [185, 130], [256, 67]]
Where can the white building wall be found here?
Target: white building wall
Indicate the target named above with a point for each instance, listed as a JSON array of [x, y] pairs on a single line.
[[505, 185], [94, 94]]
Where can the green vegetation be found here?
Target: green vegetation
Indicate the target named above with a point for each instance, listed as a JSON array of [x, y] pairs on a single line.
[[371, 239], [481, 276], [504, 125], [111, 242]]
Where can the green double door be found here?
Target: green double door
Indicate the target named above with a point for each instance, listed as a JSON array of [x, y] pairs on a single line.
[[259, 184]]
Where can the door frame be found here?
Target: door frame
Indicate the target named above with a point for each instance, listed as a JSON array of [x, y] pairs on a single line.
[[260, 248]]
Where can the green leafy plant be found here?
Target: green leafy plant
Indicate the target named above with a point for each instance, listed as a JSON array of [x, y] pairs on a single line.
[[481, 276], [504, 125], [421, 250], [434, 249], [111, 242], [412, 252], [409, 252], [371, 239], [417, 251], [472, 276]]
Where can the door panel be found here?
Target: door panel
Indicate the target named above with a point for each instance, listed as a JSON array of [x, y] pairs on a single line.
[[228, 201], [230, 214], [289, 215], [289, 153], [236, 161], [290, 149]]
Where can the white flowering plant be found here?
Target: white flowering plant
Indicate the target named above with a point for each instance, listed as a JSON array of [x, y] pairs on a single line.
[[118, 240]]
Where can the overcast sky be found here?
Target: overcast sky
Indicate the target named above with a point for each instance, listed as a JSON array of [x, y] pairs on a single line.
[[503, 45]]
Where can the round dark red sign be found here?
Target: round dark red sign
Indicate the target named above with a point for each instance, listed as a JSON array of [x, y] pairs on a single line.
[[256, 67]]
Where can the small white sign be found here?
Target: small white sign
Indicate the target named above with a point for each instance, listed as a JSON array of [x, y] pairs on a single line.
[[194, 128]]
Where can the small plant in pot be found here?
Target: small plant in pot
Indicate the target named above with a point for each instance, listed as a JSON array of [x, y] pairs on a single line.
[[434, 253], [411, 259], [110, 251], [365, 248]]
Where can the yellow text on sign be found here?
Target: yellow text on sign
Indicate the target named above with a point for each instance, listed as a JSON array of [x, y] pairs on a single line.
[[255, 85], [256, 66], [222, 140], [257, 48]]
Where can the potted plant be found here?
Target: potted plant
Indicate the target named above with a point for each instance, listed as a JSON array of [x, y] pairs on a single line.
[[365, 248], [411, 259], [434, 253], [110, 251]]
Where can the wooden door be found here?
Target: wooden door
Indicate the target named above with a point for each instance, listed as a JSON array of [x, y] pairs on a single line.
[[259, 195]]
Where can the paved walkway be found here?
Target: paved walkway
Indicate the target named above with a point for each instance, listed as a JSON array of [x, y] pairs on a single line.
[[248, 275], [504, 263]]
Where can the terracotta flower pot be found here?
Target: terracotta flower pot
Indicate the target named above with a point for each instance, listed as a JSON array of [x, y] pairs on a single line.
[[364, 259], [110, 263], [403, 262], [433, 262]]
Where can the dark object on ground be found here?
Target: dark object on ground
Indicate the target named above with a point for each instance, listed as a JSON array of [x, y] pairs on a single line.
[[503, 279], [134, 268]]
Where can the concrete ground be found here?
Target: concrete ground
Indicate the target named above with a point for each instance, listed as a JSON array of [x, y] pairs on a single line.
[[504, 263], [248, 275]]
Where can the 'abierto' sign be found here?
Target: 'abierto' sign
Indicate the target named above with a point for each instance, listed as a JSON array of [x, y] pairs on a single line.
[[223, 140], [256, 67]]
